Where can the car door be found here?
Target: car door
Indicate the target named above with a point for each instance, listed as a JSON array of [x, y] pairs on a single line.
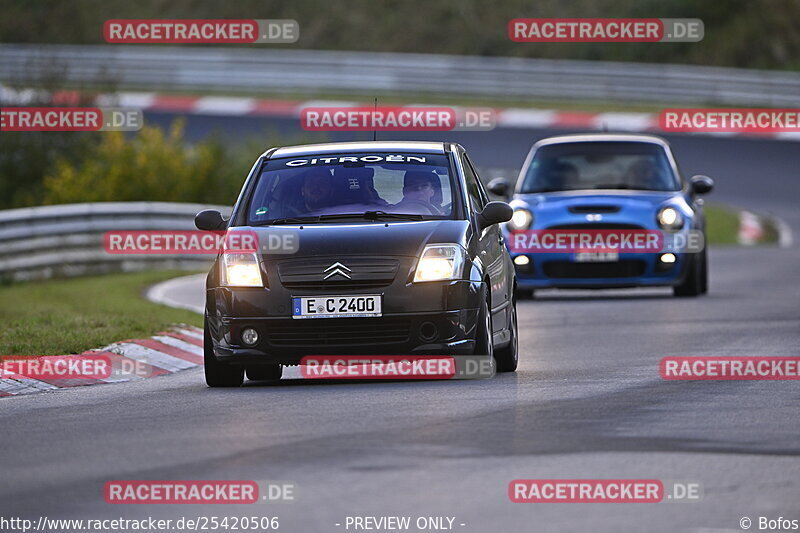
[[491, 249]]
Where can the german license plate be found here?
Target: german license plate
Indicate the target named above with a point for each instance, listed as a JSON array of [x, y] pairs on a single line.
[[596, 257], [368, 305]]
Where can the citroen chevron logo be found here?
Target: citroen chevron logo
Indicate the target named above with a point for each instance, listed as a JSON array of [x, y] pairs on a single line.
[[337, 268]]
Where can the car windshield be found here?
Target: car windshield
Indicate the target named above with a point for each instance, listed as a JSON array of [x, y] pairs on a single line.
[[413, 186], [600, 165]]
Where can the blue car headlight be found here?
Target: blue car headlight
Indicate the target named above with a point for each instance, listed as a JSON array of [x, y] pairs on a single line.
[[522, 219], [669, 218]]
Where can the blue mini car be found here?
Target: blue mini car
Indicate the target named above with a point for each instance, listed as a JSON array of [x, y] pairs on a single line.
[[608, 182]]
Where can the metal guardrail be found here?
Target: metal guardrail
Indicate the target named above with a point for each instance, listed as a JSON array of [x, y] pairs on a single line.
[[67, 240], [367, 73]]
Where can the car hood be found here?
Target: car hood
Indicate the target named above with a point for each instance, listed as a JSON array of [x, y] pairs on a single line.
[[373, 238], [612, 207], [582, 200]]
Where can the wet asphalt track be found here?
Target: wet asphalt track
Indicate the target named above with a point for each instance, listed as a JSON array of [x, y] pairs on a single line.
[[587, 402]]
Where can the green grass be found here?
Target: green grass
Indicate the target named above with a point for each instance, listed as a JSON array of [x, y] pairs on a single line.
[[722, 224], [65, 316]]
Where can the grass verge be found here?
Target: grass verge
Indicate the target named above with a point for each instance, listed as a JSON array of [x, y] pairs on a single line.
[[722, 224], [65, 316]]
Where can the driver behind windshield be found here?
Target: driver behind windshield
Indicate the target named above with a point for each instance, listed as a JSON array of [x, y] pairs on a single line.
[[418, 193], [317, 190], [646, 175]]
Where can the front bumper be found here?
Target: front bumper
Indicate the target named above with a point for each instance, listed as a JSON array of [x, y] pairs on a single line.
[[560, 270], [437, 318], [286, 341]]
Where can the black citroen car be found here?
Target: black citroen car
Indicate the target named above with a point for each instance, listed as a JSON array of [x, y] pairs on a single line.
[[391, 248]]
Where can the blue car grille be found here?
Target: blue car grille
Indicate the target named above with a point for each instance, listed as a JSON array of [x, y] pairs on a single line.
[[596, 225], [619, 269]]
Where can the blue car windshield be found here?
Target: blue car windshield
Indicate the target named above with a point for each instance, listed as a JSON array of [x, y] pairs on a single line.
[[416, 184], [600, 165]]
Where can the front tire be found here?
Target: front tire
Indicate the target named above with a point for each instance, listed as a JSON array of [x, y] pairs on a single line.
[[271, 372], [483, 334], [704, 273], [692, 284], [218, 374], [508, 356], [525, 294]]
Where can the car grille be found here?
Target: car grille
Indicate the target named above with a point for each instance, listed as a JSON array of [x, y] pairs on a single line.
[[587, 209], [596, 225], [323, 332], [364, 272], [619, 269]]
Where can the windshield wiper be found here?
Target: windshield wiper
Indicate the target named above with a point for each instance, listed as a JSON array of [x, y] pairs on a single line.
[[373, 215], [288, 220]]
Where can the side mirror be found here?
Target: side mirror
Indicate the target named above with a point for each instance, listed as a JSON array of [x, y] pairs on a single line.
[[494, 213], [701, 184], [499, 187], [209, 220]]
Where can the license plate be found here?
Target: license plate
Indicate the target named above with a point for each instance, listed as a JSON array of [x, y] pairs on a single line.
[[596, 257], [336, 306]]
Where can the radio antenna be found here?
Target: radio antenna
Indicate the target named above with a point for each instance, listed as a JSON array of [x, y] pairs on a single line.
[[374, 129]]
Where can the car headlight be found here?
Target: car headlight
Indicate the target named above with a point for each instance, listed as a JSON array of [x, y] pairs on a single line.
[[439, 262], [241, 270], [520, 220], [670, 218]]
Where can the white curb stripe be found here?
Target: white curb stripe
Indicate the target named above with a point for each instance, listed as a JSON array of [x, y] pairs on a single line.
[[178, 343], [626, 121], [219, 105], [152, 357], [525, 118], [196, 333]]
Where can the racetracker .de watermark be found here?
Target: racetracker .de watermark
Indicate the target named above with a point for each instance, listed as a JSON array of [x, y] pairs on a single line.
[[603, 491], [605, 241], [197, 31], [744, 120], [171, 242], [396, 367], [605, 30], [402, 118], [198, 492], [100, 366], [723, 368], [70, 119]]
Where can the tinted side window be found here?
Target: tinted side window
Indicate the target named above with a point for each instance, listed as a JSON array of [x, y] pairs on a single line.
[[481, 189], [473, 188]]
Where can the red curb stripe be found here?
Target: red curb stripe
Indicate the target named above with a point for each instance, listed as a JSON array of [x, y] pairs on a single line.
[[67, 98], [3, 394], [169, 350], [574, 119], [184, 338], [166, 102], [275, 107]]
